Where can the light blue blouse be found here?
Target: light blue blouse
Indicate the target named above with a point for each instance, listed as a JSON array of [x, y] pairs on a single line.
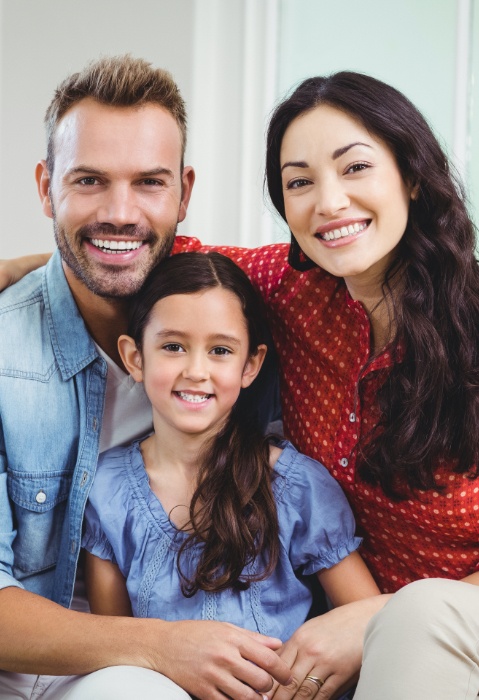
[[126, 524]]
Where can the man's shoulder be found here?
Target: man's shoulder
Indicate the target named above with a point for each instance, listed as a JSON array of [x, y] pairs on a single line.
[[25, 293]]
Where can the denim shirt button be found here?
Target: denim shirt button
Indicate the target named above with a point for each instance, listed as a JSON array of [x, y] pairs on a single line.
[[41, 497]]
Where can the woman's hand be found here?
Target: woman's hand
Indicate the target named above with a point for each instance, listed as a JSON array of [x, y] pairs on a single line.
[[329, 648], [13, 270]]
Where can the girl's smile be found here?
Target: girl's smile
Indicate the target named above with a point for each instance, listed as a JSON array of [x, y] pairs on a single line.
[[194, 361]]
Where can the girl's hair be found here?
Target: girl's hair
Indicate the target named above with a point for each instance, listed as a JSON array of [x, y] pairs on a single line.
[[232, 512], [429, 404]]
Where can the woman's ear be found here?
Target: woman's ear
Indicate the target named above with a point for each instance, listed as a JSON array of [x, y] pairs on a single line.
[[253, 366], [131, 357], [415, 192]]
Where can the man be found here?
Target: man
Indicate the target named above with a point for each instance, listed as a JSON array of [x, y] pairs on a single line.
[[115, 186]]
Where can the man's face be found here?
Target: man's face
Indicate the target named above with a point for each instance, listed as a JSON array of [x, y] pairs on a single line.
[[116, 194]]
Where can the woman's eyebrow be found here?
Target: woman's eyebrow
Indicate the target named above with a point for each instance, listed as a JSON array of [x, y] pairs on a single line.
[[341, 151]]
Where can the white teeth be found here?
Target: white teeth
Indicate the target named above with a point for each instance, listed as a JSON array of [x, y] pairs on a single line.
[[193, 398], [343, 232], [115, 246]]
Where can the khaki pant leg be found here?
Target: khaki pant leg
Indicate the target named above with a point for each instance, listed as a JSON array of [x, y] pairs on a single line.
[[423, 645]]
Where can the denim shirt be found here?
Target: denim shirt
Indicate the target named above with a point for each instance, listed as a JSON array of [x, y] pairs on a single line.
[[52, 387]]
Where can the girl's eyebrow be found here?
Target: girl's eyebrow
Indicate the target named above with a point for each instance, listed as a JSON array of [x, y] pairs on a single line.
[[217, 337]]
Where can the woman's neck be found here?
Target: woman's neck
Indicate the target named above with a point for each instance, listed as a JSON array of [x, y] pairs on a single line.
[[378, 306]]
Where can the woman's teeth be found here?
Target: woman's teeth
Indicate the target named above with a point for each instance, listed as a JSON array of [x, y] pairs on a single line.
[[343, 231], [115, 246], [193, 398]]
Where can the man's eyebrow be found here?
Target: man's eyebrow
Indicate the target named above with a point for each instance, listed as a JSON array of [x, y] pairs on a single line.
[[157, 171], [80, 169], [341, 151]]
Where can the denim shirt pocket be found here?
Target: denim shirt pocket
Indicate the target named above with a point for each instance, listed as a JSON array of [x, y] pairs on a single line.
[[38, 503]]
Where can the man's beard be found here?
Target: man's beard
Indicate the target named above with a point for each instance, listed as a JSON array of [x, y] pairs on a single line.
[[112, 281]]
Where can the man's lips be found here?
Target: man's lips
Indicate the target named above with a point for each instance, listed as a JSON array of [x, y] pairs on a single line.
[[341, 229]]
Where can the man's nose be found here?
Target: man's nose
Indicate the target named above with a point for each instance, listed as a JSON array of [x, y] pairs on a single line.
[[119, 206]]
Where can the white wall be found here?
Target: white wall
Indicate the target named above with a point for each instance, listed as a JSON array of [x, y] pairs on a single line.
[[232, 60]]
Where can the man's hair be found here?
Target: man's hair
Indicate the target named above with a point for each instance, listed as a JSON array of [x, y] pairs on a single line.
[[117, 81]]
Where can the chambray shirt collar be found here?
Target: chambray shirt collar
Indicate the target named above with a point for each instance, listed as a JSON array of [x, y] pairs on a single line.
[[72, 344]]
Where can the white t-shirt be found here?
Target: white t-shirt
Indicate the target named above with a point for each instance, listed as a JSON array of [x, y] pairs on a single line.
[[127, 416]]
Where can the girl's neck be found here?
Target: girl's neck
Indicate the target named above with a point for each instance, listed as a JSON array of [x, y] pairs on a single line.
[[172, 464]]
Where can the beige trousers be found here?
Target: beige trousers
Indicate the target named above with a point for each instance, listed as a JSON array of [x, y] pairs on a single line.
[[113, 683], [424, 644]]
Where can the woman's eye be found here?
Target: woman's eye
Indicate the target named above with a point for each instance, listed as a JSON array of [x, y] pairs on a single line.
[[356, 168], [296, 184], [221, 351], [173, 347]]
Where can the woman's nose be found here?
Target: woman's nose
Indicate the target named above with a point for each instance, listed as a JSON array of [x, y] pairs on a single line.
[[331, 197]]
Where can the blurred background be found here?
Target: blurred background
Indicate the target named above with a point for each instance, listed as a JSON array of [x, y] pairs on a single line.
[[233, 60]]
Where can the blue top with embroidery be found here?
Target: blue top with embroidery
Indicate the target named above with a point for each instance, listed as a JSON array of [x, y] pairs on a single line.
[[126, 524]]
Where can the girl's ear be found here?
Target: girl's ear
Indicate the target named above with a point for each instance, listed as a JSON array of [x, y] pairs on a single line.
[[130, 356], [253, 366]]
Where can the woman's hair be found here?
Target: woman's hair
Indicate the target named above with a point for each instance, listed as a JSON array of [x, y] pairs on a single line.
[[429, 404], [233, 511]]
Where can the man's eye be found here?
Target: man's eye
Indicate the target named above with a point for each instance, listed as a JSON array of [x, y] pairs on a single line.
[[88, 181]]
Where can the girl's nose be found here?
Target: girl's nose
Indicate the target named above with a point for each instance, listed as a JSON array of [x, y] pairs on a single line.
[[196, 368]]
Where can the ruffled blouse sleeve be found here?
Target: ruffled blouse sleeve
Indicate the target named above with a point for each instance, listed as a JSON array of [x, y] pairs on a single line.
[[317, 526]]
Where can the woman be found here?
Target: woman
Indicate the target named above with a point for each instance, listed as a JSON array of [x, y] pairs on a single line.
[[384, 389]]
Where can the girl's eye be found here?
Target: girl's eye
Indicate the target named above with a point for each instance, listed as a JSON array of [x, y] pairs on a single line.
[[221, 351], [356, 168], [173, 347], [296, 184]]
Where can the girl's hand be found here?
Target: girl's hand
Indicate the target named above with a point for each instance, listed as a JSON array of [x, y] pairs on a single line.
[[328, 647]]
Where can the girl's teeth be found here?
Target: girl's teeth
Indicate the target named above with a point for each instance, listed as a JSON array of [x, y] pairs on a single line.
[[193, 398]]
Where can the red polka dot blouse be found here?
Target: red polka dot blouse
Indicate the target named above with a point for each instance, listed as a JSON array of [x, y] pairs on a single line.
[[323, 341]]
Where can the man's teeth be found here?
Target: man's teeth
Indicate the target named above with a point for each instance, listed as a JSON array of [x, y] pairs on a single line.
[[343, 231], [193, 398], [115, 246]]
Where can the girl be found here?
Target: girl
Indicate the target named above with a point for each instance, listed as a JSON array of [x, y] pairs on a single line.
[[205, 518]]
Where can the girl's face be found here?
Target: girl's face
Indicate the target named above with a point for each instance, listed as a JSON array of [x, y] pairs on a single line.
[[345, 200], [194, 361]]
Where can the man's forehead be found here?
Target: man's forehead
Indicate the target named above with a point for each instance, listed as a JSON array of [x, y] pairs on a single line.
[[93, 130]]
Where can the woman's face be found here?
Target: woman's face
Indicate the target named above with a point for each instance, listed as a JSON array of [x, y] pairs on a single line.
[[345, 200]]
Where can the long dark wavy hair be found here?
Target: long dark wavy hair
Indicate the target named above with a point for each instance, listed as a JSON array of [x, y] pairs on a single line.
[[232, 512], [429, 404]]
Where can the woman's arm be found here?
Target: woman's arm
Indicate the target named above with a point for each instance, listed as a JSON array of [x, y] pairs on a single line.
[[13, 270], [330, 646], [106, 587]]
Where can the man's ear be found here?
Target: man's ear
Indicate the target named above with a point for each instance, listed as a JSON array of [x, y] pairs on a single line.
[[131, 357], [253, 366], [43, 184], [187, 182]]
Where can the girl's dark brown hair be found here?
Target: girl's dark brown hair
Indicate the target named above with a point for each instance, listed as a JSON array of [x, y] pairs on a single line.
[[233, 511], [430, 402]]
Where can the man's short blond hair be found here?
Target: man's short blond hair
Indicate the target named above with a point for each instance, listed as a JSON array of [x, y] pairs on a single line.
[[118, 81]]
